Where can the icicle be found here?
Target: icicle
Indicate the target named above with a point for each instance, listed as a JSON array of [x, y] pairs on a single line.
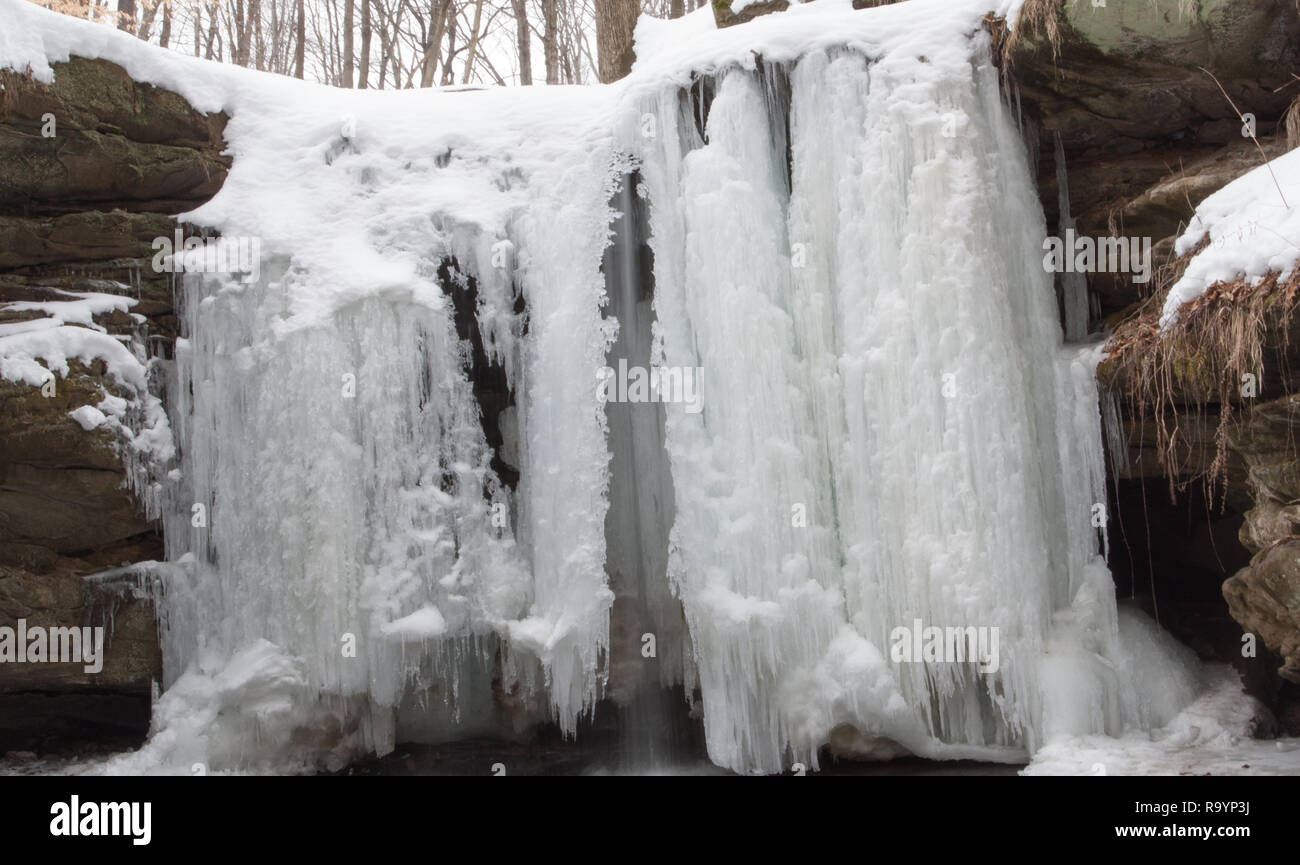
[[901, 441], [1074, 285], [892, 439], [1115, 435], [337, 512]]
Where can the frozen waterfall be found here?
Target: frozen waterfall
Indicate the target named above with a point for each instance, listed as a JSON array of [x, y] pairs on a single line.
[[841, 243]]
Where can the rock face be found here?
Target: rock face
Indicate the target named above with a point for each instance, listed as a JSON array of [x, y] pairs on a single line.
[[116, 144], [1265, 595], [1137, 107], [1265, 598], [1266, 443], [1141, 96], [91, 169]]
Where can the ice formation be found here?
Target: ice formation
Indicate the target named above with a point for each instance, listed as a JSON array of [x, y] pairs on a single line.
[[38, 351], [845, 242], [902, 387]]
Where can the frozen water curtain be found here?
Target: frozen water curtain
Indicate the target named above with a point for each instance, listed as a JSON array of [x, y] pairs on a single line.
[[392, 517]]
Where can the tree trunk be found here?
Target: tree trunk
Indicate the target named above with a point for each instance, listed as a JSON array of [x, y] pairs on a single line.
[[473, 42], [551, 40], [676, 8], [146, 20], [255, 32], [349, 14], [447, 77], [385, 55], [364, 81], [520, 8], [299, 50], [243, 34], [126, 15], [429, 63], [615, 21], [274, 62], [213, 33], [165, 35]]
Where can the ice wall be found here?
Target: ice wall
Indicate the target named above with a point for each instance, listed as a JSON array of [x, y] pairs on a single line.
[[892, 430], [846, 243], [335, 507]]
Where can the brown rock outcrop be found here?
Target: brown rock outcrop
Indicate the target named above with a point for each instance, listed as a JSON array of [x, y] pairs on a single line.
[[92, 169]]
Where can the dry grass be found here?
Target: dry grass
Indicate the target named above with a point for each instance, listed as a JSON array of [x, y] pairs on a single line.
[[1037, 18], [1199, 362], [1292, 123]]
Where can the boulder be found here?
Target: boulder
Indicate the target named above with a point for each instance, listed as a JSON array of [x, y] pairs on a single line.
[[1265, 598]]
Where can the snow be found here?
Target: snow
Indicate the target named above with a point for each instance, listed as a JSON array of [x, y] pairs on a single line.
[[213, 716], [88, 416], [1253, 228], [35, 352], [67, 331], [670, 50], [902, 436], [1211, 736], [57, 345], [425, 623], [81, 311]]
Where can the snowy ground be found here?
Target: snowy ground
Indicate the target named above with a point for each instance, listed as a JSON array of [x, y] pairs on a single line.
[[1209, 737]]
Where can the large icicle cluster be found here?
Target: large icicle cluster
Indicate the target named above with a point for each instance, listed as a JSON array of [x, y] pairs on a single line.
[[337, 498], [846, 243], [891, 429]]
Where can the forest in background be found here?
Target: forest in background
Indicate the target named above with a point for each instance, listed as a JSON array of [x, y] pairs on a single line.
[[394, 44]]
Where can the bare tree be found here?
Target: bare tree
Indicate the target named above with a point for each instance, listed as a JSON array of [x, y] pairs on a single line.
[[403, 43], [551, 40], [447, 76], [146, 20], [433, 42], [349, 13], [365, 45], [213, 48], [258, 36], [474, 35], [615, 21], [520, 9], [300, 47]]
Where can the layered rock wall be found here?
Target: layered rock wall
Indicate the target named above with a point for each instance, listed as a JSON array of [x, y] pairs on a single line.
[[92, 169]]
